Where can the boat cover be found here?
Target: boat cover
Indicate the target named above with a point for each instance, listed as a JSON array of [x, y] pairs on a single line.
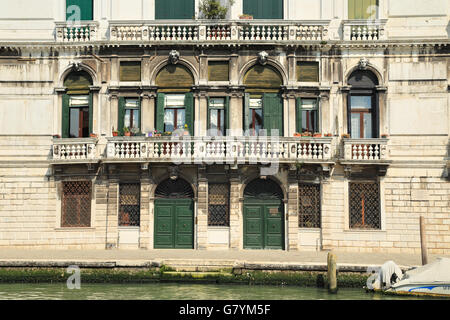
[[436, 272]]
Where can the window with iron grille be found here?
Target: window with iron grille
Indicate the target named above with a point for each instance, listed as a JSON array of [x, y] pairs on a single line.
[[219, 204], [309, 205], [129, 204], [364, 205], [76, 204]]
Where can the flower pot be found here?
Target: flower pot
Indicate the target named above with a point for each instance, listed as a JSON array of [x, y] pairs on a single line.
[[93, 135], [186, 133], [115, 134], [56, 136], [317, 135], [127, 134], [297, 134]]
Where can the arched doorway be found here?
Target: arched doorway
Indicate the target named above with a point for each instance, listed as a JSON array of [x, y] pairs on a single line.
[[263, 215], [77, 105], [174, 215], [263, 105]]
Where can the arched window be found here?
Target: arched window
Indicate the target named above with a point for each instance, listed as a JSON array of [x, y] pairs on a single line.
[[263, 105], [175, 101], [362, 105], [77, 113]]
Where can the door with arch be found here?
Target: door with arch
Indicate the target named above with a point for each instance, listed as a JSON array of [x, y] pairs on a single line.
[[174, 215], [263, 215]]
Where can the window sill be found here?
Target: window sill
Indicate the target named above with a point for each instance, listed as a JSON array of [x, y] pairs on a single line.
[[75, 229], [218, 228], [364, 231], [311, 230]]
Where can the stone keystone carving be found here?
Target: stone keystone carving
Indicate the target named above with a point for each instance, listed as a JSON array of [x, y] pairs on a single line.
[[76, 66], [363, 63], [263, 57], [174, 56]]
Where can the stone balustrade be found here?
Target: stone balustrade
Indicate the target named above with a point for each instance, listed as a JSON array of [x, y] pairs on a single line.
[[364, 30], [74, 149], [76, 32], [195, 150], [366, 149]]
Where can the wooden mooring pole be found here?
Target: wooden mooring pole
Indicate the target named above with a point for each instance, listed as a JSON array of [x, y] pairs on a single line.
[[332, 279], [423, 241]]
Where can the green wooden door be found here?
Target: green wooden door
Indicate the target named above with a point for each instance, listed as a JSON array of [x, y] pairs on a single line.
[[174, 223], [174, 9], [264, 9], [263, 224]]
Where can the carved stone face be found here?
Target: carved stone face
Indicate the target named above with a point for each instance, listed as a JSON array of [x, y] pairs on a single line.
[[174, 56], [263, 57], [363, 63], [76, 66]]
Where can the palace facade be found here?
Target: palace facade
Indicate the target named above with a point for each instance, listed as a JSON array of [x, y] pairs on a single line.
[[315, 125]]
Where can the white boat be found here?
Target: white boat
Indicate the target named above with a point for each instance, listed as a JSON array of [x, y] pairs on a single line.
[[431, 279]]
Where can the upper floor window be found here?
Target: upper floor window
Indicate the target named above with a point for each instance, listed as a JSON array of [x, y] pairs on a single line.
[[79, 10], [174, 9], [129, 113], [363, 9], [307, 115], [362, 105], [263, 9], [77, 106], [174, 112], [218, 115]]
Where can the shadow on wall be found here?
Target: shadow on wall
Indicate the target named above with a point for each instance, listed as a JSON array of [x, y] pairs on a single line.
[[448, 30], [446, 173]]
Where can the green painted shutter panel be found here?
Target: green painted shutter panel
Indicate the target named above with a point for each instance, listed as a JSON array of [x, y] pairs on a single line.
[[189, 103], [65, 116], [86, 9], [246, 111], [208, 116], [272, 113], [130, 71], [91, 112], [174, 9], [227, 114], [160, 112], [121, 115], [307, 71], [264, 9], [218, 71], [298, 115]]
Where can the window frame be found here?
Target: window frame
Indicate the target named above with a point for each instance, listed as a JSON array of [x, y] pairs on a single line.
[[221, 109], [228, 206], [121, 184], [381, 212], [62, 212], [319, 186]]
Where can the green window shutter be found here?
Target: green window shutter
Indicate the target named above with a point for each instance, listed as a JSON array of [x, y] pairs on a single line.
[[264, 9], [273, 113], [246, 111], [208, 116], [174, 9], [189, 104], [362, 9], [91, 112], [160, 112], [86, 9], [65, 116], [227, 114], [298, 115], [121, 115]]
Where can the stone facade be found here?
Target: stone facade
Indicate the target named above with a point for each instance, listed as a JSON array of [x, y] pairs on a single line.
[[412, 67]]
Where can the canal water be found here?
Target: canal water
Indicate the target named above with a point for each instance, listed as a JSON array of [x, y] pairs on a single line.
[[176, 291]]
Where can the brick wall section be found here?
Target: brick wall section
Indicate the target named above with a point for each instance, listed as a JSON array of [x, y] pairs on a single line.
[[292, 213], [202, 214]]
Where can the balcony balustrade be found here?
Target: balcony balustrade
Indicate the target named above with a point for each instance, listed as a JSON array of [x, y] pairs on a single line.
[[366, 150], [76, 33], [364, 30], [79, 149]]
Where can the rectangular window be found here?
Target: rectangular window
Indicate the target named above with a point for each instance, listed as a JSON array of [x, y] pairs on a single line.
[[174, 112], [79, 10], [132, 117], [361, 117], [217, 116], [255, 115], [130, 71], [309, 205], [263, 9], [174, 9], [219, 204], [307, 71], [218, 71], [364, 205], [309, 116], [129, 204], [76, 204], [79, 116], [363, 9]]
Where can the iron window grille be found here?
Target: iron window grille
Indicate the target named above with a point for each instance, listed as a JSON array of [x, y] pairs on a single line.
[[76, 204], [309, 206], [219, 205], [129, 204], [364, 205]]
